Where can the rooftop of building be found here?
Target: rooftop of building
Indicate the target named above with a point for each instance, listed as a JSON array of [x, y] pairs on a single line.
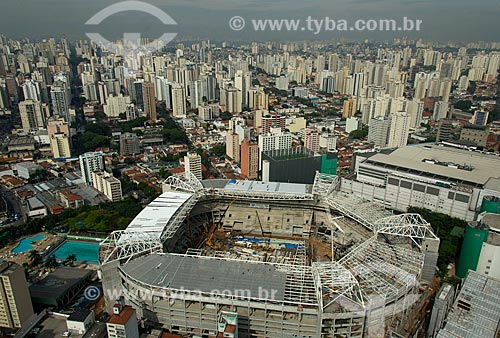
[[177, 271], [455, 164], [475, 312], [21, 140], [293, 188], [6, 267], [79, 314], [58, 282], [156, 215], [28, 165], [123, 317], [70, 196]]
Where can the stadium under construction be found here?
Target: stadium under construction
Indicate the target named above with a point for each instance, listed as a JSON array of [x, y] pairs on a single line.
[[225, 258]]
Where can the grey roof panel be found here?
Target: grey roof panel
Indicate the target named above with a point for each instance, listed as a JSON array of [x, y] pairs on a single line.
[[208, 275]]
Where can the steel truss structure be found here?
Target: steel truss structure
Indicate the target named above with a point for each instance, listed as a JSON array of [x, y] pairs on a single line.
[[325, 184], [258, 195], [360, 210], [374, 274], [125, 244], [407, 225], [187, 182], [338, 284]]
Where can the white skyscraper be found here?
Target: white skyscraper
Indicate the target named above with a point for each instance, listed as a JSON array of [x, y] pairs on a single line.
[[398, 131], [242, 82], [378, 131], [195, 94], [116, 105], [90, 162], [31, 90], [178, 100], [440, 110]]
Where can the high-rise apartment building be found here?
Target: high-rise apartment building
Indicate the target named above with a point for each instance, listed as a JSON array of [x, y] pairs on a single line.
[[129, 144], [233, 146], [109, 185], [272, 121], [178, 100], [311, 139], [60, 95], [116, 105], [60, 138], [90, 162], [398, 131], [192, 164], [33, 115], [31, 90], [249, 159], [15, 301], [150, 101], [378, 131], [195, 94], [242, 83]]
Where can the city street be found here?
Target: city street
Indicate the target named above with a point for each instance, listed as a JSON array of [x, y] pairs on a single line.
[[9, 200]]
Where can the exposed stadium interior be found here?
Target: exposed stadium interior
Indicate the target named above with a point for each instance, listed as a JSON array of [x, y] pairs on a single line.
[[224, 258]]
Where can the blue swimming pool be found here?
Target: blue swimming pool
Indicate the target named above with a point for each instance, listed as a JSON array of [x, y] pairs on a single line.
[[86, 252], [25, 244]]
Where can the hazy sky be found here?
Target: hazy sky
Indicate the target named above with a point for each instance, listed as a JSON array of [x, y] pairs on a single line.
[[443, 20]]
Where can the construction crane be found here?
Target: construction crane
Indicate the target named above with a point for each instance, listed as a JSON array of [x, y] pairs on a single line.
[[263, 234], [215, 226]]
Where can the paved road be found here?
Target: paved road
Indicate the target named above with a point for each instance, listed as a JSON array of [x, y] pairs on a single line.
[[13, 205]]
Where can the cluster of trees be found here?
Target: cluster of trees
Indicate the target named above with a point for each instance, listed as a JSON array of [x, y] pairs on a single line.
[[96, 135], [451, 241], [126, 127], [174, 135], [304, 101], [226, 116], [105, 217], [148, 191], [36, 260], [219, 150], [359, 134], [463, 105]]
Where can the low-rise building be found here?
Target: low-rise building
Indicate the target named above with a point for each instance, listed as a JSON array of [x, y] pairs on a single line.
[[110, 186], [80, 320], [123, 322]]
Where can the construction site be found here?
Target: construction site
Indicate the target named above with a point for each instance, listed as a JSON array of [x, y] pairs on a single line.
[[225, 258]]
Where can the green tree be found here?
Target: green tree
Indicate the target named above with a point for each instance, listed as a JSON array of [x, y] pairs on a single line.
[[464, 105], [35, 258], [51, 262], [71, 259], [164, 174], [225, 116], [219, 150], [359, 134]]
